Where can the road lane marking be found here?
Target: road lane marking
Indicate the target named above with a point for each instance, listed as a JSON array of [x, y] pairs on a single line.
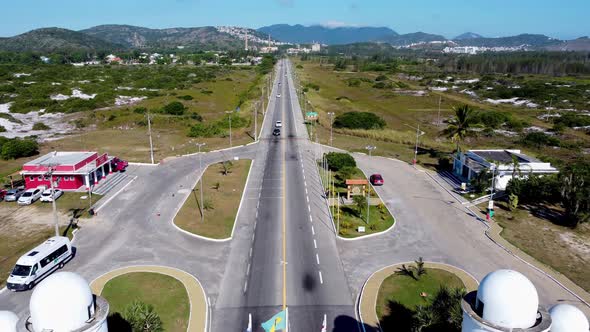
[[315, 244], [317, 258], [245, 285], [248, 269], [306, 191], [284, 203], [309, 208], [321, 279], [307, 197], [310, 218], [251, 247], [312, 230]]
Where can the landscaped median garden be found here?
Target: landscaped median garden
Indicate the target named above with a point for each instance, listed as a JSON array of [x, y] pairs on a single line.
[[363, 208], [223, 184], [419, 298]]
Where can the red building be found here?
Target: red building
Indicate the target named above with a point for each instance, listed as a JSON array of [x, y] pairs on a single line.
[[71, 170]]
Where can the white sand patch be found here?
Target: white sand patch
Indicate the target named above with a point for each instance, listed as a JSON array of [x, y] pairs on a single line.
[[55, 83], [124, 88], [469, 81], [128, 100], [514, 101], [59, 97], [29, 83], [21, 74], [438, 88], [84, 81], [57, 127], [79, 94], [146, 89], [470, 93], [507, 133]]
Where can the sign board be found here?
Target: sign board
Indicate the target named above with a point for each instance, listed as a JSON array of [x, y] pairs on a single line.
[[311, 116], [463, 186], [361, 229], [491, 205]]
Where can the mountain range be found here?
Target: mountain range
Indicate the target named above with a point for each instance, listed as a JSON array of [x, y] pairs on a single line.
[[125, 37]]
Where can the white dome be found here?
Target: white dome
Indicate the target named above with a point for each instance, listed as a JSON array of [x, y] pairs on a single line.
[[509, 299], [62, 302], [8, 321], [567, 318]]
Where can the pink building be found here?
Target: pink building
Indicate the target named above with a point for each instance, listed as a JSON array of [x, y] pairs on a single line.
[[71, 170]]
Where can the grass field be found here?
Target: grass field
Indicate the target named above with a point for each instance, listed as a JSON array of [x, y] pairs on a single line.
[[221, 195], [350, 220], [536, 233], [165, 293], [406, 291]]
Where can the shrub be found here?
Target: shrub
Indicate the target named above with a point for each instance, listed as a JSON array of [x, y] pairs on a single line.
[[2, 129], [187, 97], [353, 82], [538, 140], [142, 317], [111, 117], [491, 119], [381, 78], [204, 130], [313, 86], [444, 163], [379, 85], [17, 148], [196, 116], [174, 108], [573, 120], [140, 110], [338, 160], [359, 120], [40, 126], [299, 67]]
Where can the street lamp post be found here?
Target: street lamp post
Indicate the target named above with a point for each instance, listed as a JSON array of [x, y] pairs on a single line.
[[199, 145], [256, 122], [150, 134], [53, 206], [418, 134], [370, 148], [331, 114], [229, 116]]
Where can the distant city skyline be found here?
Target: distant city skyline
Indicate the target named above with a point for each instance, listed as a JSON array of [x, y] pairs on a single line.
[[448, 18]]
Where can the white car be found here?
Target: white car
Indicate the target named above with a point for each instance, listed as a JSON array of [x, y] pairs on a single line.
[[30, 196], [279, 95], [47, 197], [278, 124]]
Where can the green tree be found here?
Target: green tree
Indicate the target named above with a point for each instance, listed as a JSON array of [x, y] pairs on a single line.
[[142, 317], [512, 202], [174, 108], [423, 318], [360, 202], [338, 160], [419, 268], [459, 126], [17, 148], [575, 192]]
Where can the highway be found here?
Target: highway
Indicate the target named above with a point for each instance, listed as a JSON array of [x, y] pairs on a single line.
[[292, 259]]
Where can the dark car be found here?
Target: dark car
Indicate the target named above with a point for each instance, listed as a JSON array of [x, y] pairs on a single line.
[[276, 132], [13, 194], [376, 179]]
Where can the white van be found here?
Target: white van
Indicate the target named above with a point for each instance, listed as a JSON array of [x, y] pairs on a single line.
[[40, 262]]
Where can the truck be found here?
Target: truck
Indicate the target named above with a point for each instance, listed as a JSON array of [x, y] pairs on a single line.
[[119, 165]]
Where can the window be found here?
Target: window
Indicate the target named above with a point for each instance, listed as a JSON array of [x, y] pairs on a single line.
[[34, 269], [54, 255], [31, 178], [40, 178], [71, 178]]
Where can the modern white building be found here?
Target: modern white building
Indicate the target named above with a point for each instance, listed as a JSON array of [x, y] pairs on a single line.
[[63, 303], [467, 165], [507, 301], [8, 321]]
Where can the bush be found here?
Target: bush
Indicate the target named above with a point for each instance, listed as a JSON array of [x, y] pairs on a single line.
[[174, 108], [573, 120], [444, 163], [18, 148], [196, 116], [359, 120], [205, 130], [538, 140], [142, 317], [111, 117], [337, 160], [140, 110], [40, 126], [187, 97], [379, 85], [299, 67], [313, 86], [2, 129], [381, 78], [491, 119], [353, 82]]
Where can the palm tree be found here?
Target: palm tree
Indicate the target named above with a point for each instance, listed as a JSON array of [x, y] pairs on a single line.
[[142, 317], [515, 167], [458, 127], [423, 318], [420, 269]]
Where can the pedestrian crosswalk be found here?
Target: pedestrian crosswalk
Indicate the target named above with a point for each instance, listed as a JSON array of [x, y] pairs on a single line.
[[110, 182]]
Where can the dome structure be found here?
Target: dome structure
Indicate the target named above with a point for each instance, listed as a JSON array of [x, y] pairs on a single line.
[[8, 321], [508, 299], [62, 302], [567, 318]]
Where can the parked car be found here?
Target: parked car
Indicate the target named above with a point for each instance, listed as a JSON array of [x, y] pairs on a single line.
[[278, 124], [30, 196], [279, 95], [13, 194], [40, 262], [276, 132], [376, 179], [2, 194], [46, 196], [119, 165]]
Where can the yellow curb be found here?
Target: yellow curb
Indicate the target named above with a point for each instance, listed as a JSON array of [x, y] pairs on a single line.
[[198, 314], [368, 297]]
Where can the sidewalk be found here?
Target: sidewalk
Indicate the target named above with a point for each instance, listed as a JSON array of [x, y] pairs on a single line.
[[368, 297], [198, 315]]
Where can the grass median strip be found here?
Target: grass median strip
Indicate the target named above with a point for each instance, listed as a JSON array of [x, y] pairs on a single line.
[[222, 191], [166, 294]]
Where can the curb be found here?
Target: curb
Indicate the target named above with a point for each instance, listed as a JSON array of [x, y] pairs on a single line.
[[114, 195], [143, 164], [146, 268]]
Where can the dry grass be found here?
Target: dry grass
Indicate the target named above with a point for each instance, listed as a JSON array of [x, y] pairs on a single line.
[[562, 248], [223, 199]]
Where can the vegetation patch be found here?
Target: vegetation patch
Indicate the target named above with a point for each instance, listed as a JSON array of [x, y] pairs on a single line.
[[359, 120], [138, 299], [223, 185]]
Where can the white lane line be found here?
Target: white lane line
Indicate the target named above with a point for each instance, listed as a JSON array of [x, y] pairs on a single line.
[[321, 279], [315, 244], [310, 218], [309, 208], [302, 170], [246, 284], [304, 182], [256, 214], [317, 258], [303, 177], [312, 230], [307, 197], [248, 269], [306, 190], [251, 248]]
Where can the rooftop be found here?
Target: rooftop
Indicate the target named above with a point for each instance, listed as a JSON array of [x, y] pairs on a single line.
[[60, 158], [504, 156]]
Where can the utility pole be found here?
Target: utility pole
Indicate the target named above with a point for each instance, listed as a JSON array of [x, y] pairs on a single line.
[[368, 200], [438, 118], [150, 134], [256, 122], [229, 116], [53, 206], [331, 114], [199, 145], [418, 134]]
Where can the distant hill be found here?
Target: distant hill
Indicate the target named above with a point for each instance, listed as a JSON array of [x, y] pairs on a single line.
[[53, 39], [468, 35], [326, 35], [535, 41], [412, 38], [139, 37], [579, 45]]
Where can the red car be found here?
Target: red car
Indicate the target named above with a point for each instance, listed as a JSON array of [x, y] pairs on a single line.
[[2, 194], [119, 164], [376, 179]]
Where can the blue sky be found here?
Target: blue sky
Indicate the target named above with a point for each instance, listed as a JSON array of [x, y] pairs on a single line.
[[562, 19]]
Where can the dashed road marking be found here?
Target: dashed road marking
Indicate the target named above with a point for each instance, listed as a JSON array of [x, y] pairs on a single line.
[[312, 230], [315, 244], [321, 279], [317, 258], [309, 208]]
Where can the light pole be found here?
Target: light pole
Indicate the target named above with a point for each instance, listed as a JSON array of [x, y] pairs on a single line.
[[370, 148], [53, 206], [229, 116], [150, 134], [199, 145], [418, 134], [331, 114], [256, 122]]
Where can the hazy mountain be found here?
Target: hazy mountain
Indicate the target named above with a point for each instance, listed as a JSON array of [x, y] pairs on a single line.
[[535, 41], [468, 35], [580, 44], [52, 39], [325, 35], [412, 38], [139, 37]]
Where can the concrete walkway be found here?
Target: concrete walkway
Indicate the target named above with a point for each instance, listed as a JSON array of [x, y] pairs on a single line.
[[198, 314], [368, 297]]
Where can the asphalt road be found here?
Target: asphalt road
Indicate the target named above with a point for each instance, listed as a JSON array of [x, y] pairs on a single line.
[[256, 282]]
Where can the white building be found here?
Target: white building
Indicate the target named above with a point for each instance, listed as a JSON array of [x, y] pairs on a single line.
[[467, 165], [316, 47]]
